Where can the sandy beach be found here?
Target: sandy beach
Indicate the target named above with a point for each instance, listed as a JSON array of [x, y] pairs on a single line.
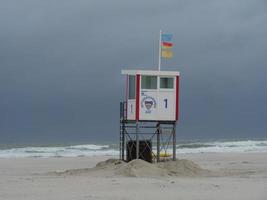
[[233, 176]]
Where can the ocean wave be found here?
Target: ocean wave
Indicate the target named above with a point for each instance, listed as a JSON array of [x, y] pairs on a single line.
[[112, 149], [62, 151], [193, 145], [220, 147], [88, 147]]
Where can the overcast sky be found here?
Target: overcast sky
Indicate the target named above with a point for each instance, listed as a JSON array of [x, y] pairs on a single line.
[[60, 63]]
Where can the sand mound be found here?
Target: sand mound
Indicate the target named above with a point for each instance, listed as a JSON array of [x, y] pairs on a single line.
[[182, 167], [140, 168]]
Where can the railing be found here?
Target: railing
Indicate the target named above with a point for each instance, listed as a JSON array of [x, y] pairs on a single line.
[[123, 117], [123, 110]]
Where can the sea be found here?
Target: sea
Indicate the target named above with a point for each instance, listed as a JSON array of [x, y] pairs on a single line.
[[112, 149]]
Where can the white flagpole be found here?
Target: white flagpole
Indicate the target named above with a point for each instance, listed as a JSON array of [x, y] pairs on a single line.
[[159, 49]]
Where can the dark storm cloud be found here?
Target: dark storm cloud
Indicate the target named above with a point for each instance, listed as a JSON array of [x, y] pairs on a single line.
[[60, 65]]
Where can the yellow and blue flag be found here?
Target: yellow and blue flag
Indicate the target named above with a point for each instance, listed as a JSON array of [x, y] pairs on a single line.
[[166, 45]]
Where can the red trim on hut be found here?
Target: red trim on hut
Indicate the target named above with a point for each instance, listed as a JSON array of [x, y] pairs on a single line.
[[137, 97]]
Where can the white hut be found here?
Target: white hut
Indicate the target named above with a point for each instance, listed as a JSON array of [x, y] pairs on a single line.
[[152, 95]]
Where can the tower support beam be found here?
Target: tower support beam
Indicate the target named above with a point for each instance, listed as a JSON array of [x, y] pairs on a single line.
[[174, 142], [159, 137]]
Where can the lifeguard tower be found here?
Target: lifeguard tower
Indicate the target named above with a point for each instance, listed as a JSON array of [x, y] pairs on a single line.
[[149, 114]]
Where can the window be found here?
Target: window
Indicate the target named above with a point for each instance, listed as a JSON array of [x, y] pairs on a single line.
[[131, 87], [149, 82], [166, 83]]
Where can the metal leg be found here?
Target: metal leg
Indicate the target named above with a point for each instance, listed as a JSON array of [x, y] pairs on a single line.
[[137, 140], [174, 141], [123, 141], [158, 142]]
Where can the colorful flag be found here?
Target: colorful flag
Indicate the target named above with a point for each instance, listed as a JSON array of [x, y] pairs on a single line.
[[166, 45]]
